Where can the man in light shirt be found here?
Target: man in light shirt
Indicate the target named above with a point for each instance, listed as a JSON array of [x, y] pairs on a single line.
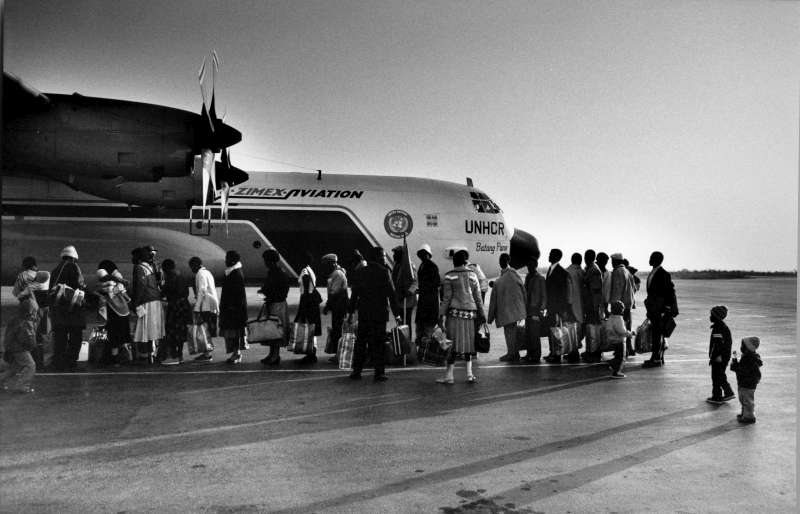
[[206, 305]]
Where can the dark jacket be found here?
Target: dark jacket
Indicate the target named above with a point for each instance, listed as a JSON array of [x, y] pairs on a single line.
[[720, 343], [661, 297], [558, 290], [63, 314], [428, 284], [372, 288], [147, 287], [276, 286], [748, 374], [233, 302], [535, 294]]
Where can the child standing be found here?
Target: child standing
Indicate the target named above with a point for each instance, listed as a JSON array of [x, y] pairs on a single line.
[[20, 342], [617, 334], [748, 375], [719, 353]]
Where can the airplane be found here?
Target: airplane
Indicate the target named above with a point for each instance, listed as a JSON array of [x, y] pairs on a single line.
[[110, 175]]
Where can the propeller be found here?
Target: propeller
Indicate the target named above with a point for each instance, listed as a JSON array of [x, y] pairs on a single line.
[[213, 136]]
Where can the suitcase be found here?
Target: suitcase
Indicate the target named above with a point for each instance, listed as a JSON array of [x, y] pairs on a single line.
[[644, 338]]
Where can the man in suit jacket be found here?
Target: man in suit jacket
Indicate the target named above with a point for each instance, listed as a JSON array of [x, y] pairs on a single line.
[[661, 305], [557, 284], [535, 303], [372, 289], [623, 288]]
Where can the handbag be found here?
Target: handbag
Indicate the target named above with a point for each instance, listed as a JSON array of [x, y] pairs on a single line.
[[559, 339], [201, 338], [669, 326], [644, 338], [99, 349], [482, 339], [572, 336], [264, 327], [303, 339]]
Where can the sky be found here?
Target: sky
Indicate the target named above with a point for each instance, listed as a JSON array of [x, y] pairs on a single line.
[[622, 126]]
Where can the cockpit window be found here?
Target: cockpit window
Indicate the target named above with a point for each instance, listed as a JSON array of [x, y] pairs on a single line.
[[483, 203]]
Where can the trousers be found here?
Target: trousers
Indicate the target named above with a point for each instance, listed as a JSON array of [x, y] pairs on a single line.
[[748, 401], [719, 381], [19, 374], [371, 334]]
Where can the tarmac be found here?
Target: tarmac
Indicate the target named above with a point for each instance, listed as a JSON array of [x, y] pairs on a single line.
[[526, 438]]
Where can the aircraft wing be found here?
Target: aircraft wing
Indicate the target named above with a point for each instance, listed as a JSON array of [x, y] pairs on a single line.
[[20, 98]]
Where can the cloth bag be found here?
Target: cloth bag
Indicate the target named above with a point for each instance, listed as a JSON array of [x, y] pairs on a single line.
[[644, 338], [347, 346], [482, 339], [559, 339], [574, 341], [431, 352], [303, 339], [99, 349], [264, 328], [199, 338]]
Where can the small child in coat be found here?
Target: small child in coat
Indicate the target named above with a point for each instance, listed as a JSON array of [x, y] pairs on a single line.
[[748, 375], [719, 353], [20, 341], [617, 334]]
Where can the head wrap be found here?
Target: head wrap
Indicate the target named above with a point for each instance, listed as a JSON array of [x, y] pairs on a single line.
[[751, 343], [720, 312], [616, 256], [330, 257], [271, 255], [69, 251], [425, 248]]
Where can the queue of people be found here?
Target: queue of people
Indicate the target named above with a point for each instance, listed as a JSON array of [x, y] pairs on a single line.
[[150, 317]]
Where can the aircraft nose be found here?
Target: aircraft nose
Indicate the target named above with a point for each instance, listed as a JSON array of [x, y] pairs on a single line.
[[523, 247]]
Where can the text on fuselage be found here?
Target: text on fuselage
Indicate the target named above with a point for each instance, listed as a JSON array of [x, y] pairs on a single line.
[[493, 228]]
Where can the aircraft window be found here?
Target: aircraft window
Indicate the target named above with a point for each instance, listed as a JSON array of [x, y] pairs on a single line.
[[485, 205]]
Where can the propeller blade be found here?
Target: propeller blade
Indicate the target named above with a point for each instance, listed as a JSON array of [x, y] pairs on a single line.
[[208, 173]]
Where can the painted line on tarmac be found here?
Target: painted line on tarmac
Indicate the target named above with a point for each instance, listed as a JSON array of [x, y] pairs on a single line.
[[32, 457], [340, 373], [538, 389]]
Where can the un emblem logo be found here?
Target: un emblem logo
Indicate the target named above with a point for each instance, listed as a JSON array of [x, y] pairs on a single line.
[[397, 223]]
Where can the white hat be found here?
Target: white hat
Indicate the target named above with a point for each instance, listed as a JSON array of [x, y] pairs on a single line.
[[101, 273], [330, 257], [425, 248], [616, 256], [70, 251]]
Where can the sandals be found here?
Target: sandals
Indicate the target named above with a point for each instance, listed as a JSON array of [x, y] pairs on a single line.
[[471, 379], [446, 381]]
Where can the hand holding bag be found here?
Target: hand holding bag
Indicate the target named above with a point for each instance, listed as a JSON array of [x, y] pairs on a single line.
[[264, 328], [400, 340], [347, 346]]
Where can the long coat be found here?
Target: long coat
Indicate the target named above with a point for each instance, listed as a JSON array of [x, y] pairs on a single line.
[[558, 290], [63, 314], [507, 303], [575, 295], [233, 302], [428, 282]]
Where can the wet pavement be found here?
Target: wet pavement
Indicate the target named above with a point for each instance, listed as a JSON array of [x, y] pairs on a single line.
[[526, 438]]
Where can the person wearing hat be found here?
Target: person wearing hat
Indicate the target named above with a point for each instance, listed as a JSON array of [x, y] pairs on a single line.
[[719, 353], [336, 304], [113, 306], [147, 304], [623, 287], [748, 375], [428, 283], [275, 290], [67, 318]]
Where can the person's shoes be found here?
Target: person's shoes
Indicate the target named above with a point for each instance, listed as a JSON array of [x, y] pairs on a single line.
[[471, 379], [380, 378], [204, 357], [738, 417], [529, 360], [651, 364], [631, 352], [746, 421], [334, 359], [617, 375], [355, 375], [573, 359], [505, 358], [447, 381], [728, 397], [170, 362], [554, 359], [21, 390], [714, 400], [234, 359], [308, 359]]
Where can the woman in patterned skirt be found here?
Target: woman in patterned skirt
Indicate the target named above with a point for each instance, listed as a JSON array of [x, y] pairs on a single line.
[[461, 307]]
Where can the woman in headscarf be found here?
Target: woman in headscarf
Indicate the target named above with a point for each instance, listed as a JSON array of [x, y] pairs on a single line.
[[275, 290], [308, 308], [147, 302], [179, 312], [461, 307], [428, 283], [113, 306], [233, 308], [65, 311]]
